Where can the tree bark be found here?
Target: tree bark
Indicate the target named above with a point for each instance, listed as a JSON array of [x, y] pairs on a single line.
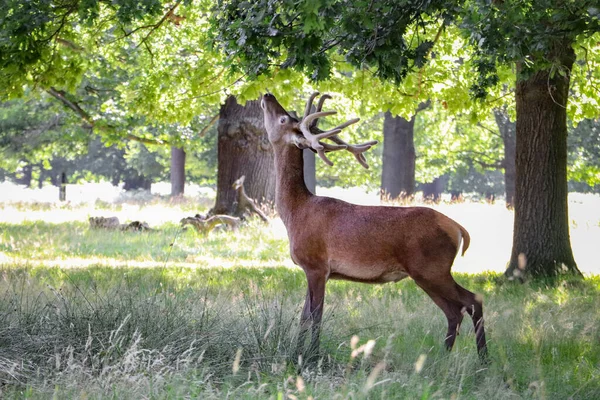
[[508, 131], [177, 171], [398, 171], [541, 243], [243, 149], [310, 170]]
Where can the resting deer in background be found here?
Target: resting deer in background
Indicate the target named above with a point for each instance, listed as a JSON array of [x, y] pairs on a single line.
[[333, 239]]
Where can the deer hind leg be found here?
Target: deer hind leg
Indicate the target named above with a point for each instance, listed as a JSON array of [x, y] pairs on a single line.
[[312, 314], [451, 309], [454, 316], [474, 307], [458, 298]]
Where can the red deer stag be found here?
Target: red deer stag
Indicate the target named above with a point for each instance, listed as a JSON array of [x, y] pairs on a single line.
[[332, 239]]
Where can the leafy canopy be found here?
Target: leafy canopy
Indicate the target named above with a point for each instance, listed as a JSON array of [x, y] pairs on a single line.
[[531, 33], [260, 35], [391, 36]]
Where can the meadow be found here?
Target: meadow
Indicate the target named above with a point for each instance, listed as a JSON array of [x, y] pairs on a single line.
[[174, 314]]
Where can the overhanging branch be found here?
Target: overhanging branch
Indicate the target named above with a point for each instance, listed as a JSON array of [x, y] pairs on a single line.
[[61, 96], [210, 123], [491, 164], [91, 123], [154, 27], [491, 131]]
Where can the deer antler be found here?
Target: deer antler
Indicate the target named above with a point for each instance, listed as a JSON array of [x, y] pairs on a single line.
[[308, 125]]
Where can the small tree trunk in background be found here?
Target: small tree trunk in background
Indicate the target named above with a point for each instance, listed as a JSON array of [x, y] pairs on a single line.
[[508, 131], [137, 182], [177, 171], [455, 195], [41, 176], [398, 171], [62, 190], [541, 240], [433, 190], [310, 170], [243, 149], [27, 174]]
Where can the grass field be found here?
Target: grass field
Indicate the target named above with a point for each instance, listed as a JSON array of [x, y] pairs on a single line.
[[170, 314]]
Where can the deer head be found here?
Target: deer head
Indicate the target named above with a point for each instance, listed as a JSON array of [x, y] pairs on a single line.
[[283, 129]]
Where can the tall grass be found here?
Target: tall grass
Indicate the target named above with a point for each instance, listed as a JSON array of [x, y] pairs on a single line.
[[132, 333], [172, 314]]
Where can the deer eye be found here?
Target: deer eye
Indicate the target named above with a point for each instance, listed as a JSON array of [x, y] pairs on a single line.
[[283, 120]]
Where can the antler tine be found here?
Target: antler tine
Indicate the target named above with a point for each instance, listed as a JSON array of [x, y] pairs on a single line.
[[308, 125], [315, 121], [327, 147], [347, 123], [357, 150], [304, 143], [309, 103], [322, 101], [312, 138], [333, 147]]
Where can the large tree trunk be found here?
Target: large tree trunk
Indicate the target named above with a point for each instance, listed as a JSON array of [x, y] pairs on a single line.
[[177, 171], [508, 131], [243, 149], [541, 243], [310, 170], [398, 172]]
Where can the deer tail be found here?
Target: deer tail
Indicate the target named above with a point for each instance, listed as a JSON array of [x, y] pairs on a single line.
[[466, 239]]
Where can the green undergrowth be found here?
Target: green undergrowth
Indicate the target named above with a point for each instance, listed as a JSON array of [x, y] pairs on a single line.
[[39, 240], [175, 332], [216, 316]]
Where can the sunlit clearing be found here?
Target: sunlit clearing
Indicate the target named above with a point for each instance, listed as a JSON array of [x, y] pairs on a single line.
[[490, 225]]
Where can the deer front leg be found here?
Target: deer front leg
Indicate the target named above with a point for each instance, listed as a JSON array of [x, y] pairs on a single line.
[[316, 291], [304, 325], [312, 314]]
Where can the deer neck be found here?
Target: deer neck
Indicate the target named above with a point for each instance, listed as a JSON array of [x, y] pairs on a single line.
[[291, 190]]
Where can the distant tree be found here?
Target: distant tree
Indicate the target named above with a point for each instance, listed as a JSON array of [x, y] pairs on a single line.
[[398, 165], [310, 170], [399, 156], [486, 184], [177, 171], [508, 132], [32, 133], [243, 150]]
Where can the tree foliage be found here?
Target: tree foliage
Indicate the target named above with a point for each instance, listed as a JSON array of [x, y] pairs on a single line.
[[135, 70], [407, 43], [262, 35], [584, 152], [529, 33], [32, 130]]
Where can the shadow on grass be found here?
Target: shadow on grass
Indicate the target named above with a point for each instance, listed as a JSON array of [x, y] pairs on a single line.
[[114, 326]]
